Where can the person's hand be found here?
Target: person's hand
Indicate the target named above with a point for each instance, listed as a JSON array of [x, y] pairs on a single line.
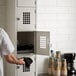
[[20, 61], [11, 58]]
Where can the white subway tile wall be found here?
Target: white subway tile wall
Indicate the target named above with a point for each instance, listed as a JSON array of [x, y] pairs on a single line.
[[2, 13], [59, 16], [63, 35]]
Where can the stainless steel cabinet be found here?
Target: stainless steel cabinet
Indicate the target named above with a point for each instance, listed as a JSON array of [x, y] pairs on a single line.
[[30, 3], [22, 70], [26, 19], [39, 40], [21, 17]]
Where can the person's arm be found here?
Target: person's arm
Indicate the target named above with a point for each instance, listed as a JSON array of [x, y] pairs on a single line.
[[7, 48], [11, 58]]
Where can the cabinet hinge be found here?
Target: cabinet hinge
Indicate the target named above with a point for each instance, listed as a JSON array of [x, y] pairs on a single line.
[[34, 58], [35, 10], [35, 26], [35, 73], [35, 2]]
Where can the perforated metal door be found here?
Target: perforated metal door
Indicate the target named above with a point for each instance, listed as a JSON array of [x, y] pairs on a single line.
[[26, 19], [42, 42], [24, 71]]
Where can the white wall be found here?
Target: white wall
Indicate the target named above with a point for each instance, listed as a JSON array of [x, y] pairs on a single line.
[[2, 13], [63, 33], [59, 16]]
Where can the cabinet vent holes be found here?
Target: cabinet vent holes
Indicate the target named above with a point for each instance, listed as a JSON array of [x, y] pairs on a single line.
[[26, 17], [25, 69]]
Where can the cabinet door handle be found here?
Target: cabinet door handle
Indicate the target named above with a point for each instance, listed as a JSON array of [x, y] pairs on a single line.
[[18, 18]]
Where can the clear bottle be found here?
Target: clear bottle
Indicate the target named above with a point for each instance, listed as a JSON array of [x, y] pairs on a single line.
[[51, 63], [57, 67], [63, 67], [51, 66], [58, 56]]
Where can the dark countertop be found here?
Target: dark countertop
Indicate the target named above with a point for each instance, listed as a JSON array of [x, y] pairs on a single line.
[[43, 75]]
